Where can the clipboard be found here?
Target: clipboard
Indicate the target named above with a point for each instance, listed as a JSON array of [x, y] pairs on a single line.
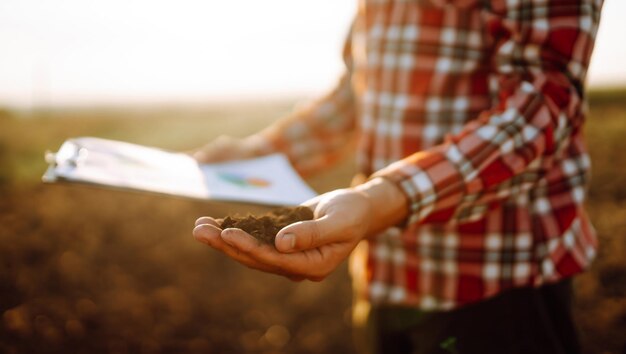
[[266, 180]]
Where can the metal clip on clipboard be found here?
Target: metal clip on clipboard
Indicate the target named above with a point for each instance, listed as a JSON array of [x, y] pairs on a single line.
[[70, 154]]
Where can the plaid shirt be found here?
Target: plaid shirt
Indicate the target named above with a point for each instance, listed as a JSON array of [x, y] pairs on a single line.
[[474, 108]]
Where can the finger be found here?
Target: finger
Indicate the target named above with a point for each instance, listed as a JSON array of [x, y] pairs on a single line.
[[265, 254], [240, 239], [207, 156], [308, 234], [207, 220], [210, 235], [312, 203], [200, 154], [223, 148], [310, 264], [313, 264], [206, 233]]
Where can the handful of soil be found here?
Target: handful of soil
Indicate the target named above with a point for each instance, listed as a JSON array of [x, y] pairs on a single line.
[[265, 227]]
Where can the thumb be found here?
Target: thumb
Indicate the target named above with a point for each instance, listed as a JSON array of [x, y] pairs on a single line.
[[305, 235]]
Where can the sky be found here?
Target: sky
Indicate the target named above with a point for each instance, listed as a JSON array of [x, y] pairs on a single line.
[[85, 52]]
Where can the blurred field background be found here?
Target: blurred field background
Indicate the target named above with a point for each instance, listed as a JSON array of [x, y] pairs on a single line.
[[85, 270]]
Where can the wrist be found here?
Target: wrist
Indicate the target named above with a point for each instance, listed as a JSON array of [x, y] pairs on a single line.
[[388, 204]]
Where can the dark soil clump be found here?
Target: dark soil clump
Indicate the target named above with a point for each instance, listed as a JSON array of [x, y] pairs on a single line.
[[265, 227]]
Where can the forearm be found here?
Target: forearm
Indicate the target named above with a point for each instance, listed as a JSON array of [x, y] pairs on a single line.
[[388, 204], [317, 135]]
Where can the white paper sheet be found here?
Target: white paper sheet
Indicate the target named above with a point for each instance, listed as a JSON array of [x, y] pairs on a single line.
[[265, 180]]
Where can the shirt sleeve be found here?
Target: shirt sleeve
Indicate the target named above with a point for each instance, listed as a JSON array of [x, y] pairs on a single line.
[[315, 136], [541, 53]]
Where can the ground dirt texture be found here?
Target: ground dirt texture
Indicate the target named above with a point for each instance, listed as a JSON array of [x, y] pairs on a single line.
[[265, 227], [85, 270]]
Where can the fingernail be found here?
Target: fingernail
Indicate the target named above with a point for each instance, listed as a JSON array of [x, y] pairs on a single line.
[[288, 241]]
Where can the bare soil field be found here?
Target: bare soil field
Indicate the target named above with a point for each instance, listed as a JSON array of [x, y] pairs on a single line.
[[87, 270]]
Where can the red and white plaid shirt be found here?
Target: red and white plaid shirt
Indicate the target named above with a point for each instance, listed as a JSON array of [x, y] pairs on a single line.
[[474, 108]]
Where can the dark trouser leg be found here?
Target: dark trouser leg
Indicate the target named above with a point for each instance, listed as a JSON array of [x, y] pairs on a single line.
[[525, 320]]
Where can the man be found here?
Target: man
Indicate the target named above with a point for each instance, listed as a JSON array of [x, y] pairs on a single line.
[[468, 117]]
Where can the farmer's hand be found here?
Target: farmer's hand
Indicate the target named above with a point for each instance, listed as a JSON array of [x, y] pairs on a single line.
[[313, 249], [226, 148]]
